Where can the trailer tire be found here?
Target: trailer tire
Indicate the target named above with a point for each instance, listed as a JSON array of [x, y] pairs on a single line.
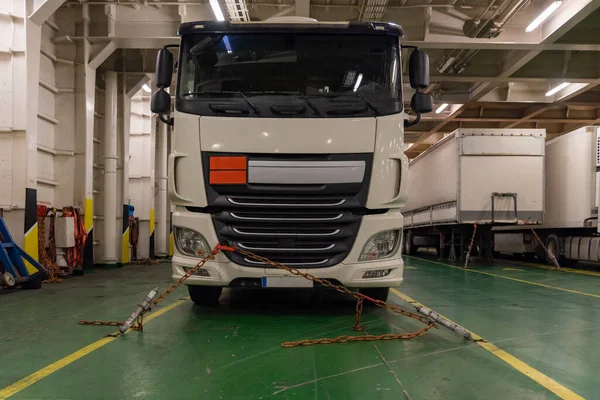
[[553, 246], [379, 293], [205, 295]]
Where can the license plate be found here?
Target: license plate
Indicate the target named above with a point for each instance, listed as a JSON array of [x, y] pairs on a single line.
[[286, 282]]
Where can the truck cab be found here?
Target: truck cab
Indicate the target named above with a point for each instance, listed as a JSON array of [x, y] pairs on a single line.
[[288, 143]]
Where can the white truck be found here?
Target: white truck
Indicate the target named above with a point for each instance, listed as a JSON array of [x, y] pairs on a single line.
[[288, 143], [572, 196], [486, 177]]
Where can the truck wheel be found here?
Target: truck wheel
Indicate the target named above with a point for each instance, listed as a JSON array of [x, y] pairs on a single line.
[[553, 246], [408, 247], [205, 295], [379, 293]]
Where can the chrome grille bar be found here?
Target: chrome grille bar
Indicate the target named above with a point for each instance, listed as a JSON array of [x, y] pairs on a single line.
[[236, 216], [301, 249], [232, 200], [321, 262], [241, 232]]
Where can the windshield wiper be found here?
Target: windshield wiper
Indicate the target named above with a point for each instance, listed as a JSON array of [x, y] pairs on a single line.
[[299, 94], [367, 102], [375, 110], [242, 95]]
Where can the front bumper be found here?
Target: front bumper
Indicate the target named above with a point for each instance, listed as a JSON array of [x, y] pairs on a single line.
[[349, 272]]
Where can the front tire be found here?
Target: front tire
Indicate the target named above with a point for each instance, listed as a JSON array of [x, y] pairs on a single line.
[[408, 247], [376, 294], [205, 295]]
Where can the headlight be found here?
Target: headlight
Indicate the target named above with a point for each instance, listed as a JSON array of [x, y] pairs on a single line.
[[382, 245], [190, 242]]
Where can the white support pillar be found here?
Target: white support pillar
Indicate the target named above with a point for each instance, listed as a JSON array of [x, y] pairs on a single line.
[[33, 37], [124, 110], [110, 239], [85, 100], [162, 214]]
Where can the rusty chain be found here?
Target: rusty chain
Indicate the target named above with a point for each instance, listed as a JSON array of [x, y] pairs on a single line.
[[52, 269], [468, 258], [138, 326], [550, 254], [294, 271]]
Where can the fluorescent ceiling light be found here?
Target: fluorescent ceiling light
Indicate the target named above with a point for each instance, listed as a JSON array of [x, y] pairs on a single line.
[[217, 10], [557, 88], [146, 88], [358, 81], [543, 16], [441, 108]]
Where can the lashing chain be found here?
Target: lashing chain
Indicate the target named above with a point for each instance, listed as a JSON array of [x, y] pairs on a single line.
[[360, 298], [51, 268], [468, 258], [138, 326], [548, 252]]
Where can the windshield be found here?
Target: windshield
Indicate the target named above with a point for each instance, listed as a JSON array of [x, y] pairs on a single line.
[[289, 74]]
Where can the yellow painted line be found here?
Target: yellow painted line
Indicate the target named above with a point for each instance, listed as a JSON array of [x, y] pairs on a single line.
[[409, 267], [524, 368], [513, 269], [562, 269], [63, 362], [510, 278]]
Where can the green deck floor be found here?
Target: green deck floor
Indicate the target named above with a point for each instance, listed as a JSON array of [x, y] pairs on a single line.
[[234, 352]]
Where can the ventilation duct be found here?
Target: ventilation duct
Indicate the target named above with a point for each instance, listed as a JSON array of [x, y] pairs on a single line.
[[491, 27]]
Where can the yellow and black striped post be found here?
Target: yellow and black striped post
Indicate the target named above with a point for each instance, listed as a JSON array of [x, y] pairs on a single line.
[[30, 239]]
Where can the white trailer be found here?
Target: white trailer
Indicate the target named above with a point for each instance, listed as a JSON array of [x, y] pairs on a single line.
[[572, 197], [474, 176]]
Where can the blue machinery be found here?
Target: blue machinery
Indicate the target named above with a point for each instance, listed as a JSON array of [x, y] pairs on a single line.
[[13, 270]]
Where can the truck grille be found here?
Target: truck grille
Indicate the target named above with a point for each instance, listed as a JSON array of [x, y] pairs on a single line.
[[305, 225], [296, 236]]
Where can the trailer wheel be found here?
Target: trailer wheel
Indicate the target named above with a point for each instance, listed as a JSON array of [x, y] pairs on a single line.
[[553, 246], [408, 247], [205, 295]]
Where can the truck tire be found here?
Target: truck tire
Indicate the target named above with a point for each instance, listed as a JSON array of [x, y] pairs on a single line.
[[408, 247], [553, 246], [205, 295], [379, 293]]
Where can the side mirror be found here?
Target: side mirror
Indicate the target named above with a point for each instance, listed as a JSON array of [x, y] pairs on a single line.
[[418, 69], [164, 68], [161, 102], [421, 103]]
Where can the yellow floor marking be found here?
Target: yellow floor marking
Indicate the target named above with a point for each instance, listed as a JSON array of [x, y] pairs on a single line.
[[513, 269], [562, 269], [509, 278], [409, 267], [527, 370], [63, 362]]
